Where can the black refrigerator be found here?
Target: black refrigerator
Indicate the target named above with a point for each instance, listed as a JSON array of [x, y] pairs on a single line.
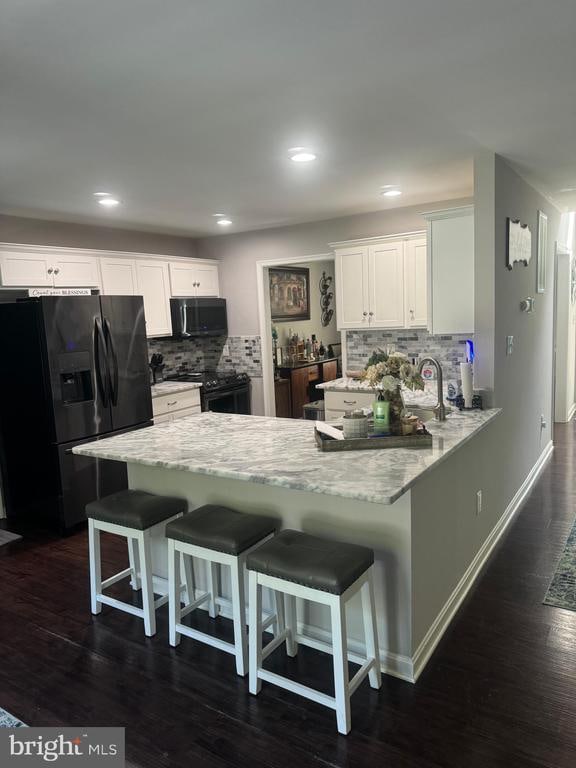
[[74, 370]]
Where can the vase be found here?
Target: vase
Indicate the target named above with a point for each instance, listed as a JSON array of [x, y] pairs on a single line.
[[396, 401]]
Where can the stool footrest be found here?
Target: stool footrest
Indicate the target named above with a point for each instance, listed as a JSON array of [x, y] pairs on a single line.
[[301, 690], [194, 604], [111, 601], [116, 578], [360, 675], [204, 638], [273, 644]]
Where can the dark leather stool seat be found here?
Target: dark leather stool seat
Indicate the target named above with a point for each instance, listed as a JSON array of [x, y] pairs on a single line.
[[311, 561], [135, 509], [221, 529]]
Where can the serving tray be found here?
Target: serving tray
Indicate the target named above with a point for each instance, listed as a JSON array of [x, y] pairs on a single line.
[[422, 439]]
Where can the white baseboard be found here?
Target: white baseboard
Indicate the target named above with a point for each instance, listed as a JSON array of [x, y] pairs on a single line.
[[442, 621]]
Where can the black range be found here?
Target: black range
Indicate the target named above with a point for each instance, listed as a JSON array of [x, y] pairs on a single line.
[[227, 392]]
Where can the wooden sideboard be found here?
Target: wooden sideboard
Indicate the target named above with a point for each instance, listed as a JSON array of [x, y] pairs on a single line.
[[303, 377]]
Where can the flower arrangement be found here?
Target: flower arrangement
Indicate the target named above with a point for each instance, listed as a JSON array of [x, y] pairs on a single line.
[[389, 371]]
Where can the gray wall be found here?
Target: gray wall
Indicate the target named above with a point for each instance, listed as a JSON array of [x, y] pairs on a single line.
[[305, 328], [239, 253], [14, 229]]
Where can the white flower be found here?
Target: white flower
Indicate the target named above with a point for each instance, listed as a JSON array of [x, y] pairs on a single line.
[[388, 383]]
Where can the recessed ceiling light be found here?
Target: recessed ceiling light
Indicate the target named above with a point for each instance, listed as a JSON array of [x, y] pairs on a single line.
[[219, 215], [108, 202], [102, 194], [224, 222], [301, 155], [390, 191]]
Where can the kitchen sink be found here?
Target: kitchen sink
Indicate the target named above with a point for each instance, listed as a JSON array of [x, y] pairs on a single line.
[[424, 413]]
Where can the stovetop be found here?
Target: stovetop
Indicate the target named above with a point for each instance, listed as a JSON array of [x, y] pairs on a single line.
[[212, 380]]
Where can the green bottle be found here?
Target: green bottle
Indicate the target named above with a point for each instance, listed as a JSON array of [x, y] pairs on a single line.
[[381, 410]]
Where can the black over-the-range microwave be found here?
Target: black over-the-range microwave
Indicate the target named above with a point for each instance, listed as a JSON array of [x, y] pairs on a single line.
[[198, 317]]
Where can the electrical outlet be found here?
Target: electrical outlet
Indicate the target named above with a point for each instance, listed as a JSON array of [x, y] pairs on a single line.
[[226, 350], [509, 345], [478, 502], [543, 422]]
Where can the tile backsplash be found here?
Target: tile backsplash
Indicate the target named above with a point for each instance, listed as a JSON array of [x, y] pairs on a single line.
[[450, 350], [243, 354]]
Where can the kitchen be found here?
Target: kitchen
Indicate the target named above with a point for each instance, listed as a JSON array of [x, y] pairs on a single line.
[[284, 337]]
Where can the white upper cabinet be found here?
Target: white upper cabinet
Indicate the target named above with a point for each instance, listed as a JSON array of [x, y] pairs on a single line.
[[386, 285], [29, 266], [119, 276], [381, 283], [154, 286], [76, 270], [194, 279], [352, 299], [451, 270], [415, 284]]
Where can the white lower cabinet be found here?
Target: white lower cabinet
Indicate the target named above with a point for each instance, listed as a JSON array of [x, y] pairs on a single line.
[[171, 407], [381, 283], [153, 280], [337, 403]]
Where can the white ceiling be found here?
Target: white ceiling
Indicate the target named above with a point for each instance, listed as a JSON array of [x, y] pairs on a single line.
[[184, 108]]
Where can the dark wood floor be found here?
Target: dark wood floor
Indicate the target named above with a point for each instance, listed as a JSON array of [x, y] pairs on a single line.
[[500, 689]]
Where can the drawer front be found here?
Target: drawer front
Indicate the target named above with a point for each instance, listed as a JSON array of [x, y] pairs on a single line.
[[193, 411], [171, 403], [313, 373], [348, 401], [162, 418]]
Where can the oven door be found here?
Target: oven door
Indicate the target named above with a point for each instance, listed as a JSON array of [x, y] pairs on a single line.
[[235, 400]]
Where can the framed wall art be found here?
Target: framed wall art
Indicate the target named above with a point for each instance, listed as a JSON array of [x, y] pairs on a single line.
[[289, 293], [519, 243], [542, 253]]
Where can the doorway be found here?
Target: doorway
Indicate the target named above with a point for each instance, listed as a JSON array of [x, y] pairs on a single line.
[[279, 353]]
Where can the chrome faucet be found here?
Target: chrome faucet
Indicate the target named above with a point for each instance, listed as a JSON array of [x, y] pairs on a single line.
[[440, 409]]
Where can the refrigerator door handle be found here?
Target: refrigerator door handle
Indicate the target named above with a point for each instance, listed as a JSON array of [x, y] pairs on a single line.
[[101, 378], [112, 362]]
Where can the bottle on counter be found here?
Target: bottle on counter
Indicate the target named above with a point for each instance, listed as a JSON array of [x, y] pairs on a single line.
[[321, 349], [308, 348]]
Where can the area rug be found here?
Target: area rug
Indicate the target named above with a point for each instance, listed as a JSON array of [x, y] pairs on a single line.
[[562, 591], [9, 721], [7, 538]]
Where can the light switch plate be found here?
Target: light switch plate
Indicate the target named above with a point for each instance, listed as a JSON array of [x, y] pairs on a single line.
[[509, 345]]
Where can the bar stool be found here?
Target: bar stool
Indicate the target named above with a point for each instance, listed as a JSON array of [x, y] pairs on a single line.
[[216, 535], [300, 565], [134, 515]]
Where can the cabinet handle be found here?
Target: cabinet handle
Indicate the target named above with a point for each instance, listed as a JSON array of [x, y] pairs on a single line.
[[50, 271], [350, 402], [174, 403], [370, 313], [411, 314], [56, 271], [365, 313]]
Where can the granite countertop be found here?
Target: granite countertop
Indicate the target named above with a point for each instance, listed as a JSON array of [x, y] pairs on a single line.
[[171, 387], [283, 452], [423, 398]]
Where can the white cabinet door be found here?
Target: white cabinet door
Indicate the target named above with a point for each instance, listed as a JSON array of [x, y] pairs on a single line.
[[451, 271], [193, 411], [351, 270], [75, 271], [415, 283], [194, 279], [118, 277], [26, 270], [207, 279], [163, 418], [154, 286], [386, 285], [183, 279]]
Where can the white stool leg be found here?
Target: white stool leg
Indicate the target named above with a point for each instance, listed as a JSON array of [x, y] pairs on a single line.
[[280, 624], [95, 567], [255, 627], [146, 579], [134, 563], [212, 583], [370, 631], [188, 573], [292, 624], [239, 615], [174, 592], [340, 653]]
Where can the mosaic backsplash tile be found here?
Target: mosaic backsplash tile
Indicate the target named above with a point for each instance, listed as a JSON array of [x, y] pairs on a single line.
[[243, 354], [449, 350]]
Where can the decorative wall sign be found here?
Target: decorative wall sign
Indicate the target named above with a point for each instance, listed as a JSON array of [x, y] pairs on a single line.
[[326, 297], [519, 243], [290, 293], [542, 251]]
